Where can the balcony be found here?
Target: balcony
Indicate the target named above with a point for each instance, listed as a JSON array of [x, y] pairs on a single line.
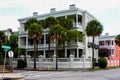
[[23, 32], [79, 26]]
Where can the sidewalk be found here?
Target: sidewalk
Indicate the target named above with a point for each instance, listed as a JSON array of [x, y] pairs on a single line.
[[11, 76]]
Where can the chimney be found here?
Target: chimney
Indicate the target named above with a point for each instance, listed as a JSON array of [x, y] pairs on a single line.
[[52, 10], [35, 13], [72, 6], [106, 34]]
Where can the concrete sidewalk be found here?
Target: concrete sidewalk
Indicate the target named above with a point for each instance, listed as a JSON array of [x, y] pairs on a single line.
[[11, 76]]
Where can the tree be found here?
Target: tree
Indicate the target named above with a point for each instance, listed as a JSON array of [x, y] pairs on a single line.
[[73, 36], [2, 37], [13, 42], [56, 32], [117, 40], [48, 23], [35, 33], [93, 29], [68, 24], [104, 52], [2, 41]]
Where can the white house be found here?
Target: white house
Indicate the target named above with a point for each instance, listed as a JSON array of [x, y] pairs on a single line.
[[80, 19]]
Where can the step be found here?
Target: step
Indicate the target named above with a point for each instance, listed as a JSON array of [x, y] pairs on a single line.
[[7, 69]]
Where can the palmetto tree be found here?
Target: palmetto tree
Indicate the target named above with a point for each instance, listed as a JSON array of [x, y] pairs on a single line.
[[93, 29], [73, 36], [56, 32], [35, 33], [68, 24], [49, 22]]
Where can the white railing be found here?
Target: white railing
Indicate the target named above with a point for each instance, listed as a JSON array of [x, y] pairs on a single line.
[[78, 60], [62, 62], [48, 60]]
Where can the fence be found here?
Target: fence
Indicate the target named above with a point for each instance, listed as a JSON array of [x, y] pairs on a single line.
[[42, 62]]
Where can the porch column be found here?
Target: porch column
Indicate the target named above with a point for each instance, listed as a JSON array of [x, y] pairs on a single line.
[[44, 39], [77, 53], [44, 54], [76, 20], [26, 44], [65, 16], [65, 53]]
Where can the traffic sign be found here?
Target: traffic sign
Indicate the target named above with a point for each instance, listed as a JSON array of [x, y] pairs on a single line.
[[6, 47], [10, 53]]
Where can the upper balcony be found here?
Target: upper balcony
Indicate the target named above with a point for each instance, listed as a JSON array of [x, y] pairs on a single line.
[[44, 46]]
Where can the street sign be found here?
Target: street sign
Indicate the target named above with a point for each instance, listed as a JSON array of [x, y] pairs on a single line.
[[6, 47], [10, 53]]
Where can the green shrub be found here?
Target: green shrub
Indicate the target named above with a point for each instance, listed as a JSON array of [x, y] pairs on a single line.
[[21, 64], [96, 64], [102, 62]]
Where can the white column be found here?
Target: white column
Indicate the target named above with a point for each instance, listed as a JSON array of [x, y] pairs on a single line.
[[26, 41], [65, 16], [44, 54], [44, 38], [65, 52], [77, 53], [26, 44], [76, 20], [19, 41]]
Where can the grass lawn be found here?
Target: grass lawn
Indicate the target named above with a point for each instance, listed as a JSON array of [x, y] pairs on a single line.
[[107, 68]]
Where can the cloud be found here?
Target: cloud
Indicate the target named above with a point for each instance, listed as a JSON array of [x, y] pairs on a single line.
[[105, 11], [8, 22]]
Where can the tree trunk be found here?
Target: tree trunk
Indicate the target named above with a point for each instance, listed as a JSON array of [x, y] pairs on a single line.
[[93, 63], [56, 54], [35, 50]]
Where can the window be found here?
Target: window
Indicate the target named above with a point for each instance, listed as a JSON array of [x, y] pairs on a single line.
[[101, 43]]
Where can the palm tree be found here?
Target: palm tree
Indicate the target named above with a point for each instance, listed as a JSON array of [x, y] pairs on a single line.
[[49, 22], [35, 33], [56, 32], [73, 36], [93, 29], [68, 24]]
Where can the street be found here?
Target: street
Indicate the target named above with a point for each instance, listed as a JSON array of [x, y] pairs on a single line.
[[113, 74]]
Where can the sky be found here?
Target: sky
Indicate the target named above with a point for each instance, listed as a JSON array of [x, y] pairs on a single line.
[[106, 11]]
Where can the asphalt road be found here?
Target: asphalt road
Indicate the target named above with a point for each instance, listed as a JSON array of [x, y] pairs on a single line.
[[113, 74]]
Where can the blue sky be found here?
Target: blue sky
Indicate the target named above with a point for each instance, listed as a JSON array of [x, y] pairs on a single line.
[[106, 11]]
